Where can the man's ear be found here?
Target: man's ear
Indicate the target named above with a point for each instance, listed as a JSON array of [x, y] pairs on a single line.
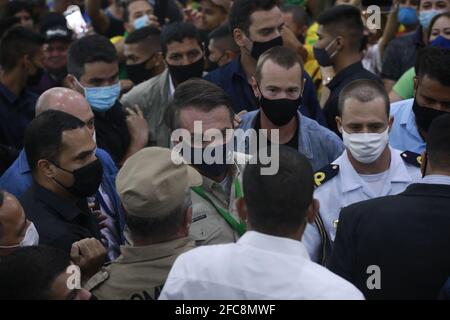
[[71, 82], [339, 123], [239, 37], [230, 55], [390, 122], [339, 44], [45, 167], [255, 87], [416, 85], [423, 163], [157, 59], [242, 209], [313, 211]]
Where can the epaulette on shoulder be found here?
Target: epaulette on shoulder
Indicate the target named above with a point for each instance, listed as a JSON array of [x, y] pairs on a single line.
[[325, 174], [412, 158]]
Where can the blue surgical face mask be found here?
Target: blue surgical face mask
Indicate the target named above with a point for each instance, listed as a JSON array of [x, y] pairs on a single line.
[[425, 17], [441, 42], [140, 22], [407, 16], [101, 98]]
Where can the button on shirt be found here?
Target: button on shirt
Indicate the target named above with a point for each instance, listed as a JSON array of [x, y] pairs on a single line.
[[58, 221], [16, 114], [208, 225], [231, 78], [318, 144], [404, 134], [348, 187], [353, 72], [258, 266]]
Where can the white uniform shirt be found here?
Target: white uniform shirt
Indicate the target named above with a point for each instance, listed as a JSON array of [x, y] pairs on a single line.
[[258, 266], [348, 187]]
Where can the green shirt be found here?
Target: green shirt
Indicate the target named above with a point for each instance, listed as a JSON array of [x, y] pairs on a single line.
[[404, 87]]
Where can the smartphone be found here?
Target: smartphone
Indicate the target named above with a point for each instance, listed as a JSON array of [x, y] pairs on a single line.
[[75, 21]]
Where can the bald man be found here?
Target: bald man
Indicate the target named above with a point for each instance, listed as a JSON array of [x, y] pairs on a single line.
[[17, 179]]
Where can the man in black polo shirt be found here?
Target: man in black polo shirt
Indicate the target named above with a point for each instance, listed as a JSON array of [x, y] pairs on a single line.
[[94, 71], [340, 34], [61, 154], [21, 57]]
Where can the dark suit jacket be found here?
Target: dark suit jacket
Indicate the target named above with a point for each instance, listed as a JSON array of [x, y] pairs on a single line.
[[406, 235]]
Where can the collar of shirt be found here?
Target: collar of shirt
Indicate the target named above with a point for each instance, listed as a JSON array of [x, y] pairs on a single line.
[[171, 87], [436, 179], [23, 162], [352, 181], [65, 208], [130, 254], [275, 244], [343, 74]]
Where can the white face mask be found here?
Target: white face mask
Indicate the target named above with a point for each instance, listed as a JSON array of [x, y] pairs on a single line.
[[366, 147], [31, 238]]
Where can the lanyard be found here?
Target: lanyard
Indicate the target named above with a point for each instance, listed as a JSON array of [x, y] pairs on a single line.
[[239, 227]]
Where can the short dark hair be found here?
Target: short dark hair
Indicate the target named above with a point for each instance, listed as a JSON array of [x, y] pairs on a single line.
[[89, 49], [43, 137], [363, 90], [177, 32], [16, 43], [434, 62], [438, 146], [272, 208], [148, 37], [299, 15], [345, 20], [224, 35], [241, 10], [282, 56], [16, 6], [28, 273], [161, 228], [199, 94]]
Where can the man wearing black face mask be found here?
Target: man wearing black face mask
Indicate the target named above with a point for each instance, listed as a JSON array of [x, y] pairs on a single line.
[[340, 35], [432, 99], [257, 26], [61, 154], [215, 218], [182, 50], [21, 58], [143, 54], [278, 85]]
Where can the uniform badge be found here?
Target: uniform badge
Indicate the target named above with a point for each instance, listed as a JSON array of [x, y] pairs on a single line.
[[412, 158], [325, 174]]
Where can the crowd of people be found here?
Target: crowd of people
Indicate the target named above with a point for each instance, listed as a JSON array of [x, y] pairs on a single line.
[[111, 110]]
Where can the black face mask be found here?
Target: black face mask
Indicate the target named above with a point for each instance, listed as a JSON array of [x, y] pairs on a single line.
[[279, 111], [424, 115], [87, 179], [213, 169], [138, 73], [182, 73], [260, 47]]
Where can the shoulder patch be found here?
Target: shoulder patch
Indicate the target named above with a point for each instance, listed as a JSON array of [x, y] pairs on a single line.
[[326, 173], [412, 158], [97, 279]]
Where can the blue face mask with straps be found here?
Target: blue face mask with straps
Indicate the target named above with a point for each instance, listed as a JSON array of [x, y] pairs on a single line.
[[101, 98], [426, 16]]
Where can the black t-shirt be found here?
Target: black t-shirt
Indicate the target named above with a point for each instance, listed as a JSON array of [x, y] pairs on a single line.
[[112, 131], [293, 143]]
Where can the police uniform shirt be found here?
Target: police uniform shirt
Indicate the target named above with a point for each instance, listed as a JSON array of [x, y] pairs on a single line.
[[208, 225], [139, 273], [339, 185]]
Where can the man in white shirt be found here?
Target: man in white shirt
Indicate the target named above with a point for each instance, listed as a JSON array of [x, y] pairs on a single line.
[[267, 262], [369, 168]]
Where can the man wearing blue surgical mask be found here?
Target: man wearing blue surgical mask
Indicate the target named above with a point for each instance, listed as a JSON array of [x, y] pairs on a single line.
[[401, 52], [94, 72], [15, 229], [368, 168]]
